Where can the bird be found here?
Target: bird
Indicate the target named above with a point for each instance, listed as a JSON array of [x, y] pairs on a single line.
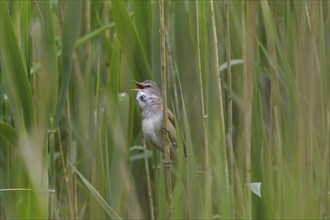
[[150, 101]]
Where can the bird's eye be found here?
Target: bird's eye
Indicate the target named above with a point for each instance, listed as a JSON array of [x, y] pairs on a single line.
[[147, 86]]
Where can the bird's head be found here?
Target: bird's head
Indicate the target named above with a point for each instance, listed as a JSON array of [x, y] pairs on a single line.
[[148, 94]]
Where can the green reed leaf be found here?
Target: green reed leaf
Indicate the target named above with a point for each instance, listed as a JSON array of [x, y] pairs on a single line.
[[130, 42], [15, 75], [97, 196]]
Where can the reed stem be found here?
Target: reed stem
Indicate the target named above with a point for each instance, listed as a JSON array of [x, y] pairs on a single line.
[[219, 90], [167, 159], [204, 115], [146, 166], [229, 98]]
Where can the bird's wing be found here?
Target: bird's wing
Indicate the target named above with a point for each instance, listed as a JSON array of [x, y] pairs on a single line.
[[172, 133], [171, 117], [171, 128]]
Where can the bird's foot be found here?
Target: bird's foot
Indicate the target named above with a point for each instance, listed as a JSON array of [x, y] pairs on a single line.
[[167, 163], [165, 130]]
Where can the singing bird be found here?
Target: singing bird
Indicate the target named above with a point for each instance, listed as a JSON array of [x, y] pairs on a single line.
[[150, 101]]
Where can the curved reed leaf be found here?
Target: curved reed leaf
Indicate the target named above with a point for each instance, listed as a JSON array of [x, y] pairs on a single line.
[[142, 24], [47, 54], [15, 75], [25, 19], [97, 196], [71, 24], [232, 63], [130, 41]]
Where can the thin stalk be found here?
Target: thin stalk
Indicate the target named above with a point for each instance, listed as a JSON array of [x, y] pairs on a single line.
[[313, 82], [248, 68], [65, 170], [222, 121], [244, 48], [274, 91], [208, 182], [78, 71], [278, 161], [69, 157], [312, 32], [274, 129], [324, 210], [199, 67], [52, 168], [172, 75], [310, 112], [8, 152], [87, 18], [244, 52], [146, 166], [167, 159], [229, 98], [60, 12]]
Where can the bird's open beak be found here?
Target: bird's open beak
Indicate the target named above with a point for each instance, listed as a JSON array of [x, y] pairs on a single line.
[[139, 85]]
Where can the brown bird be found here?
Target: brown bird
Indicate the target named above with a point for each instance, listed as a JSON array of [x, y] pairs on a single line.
[[150, 101]]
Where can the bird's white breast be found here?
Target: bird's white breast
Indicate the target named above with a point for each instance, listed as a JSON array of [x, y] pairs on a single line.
[[152, 128]]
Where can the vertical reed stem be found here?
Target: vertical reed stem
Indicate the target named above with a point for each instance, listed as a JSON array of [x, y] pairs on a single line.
[[216, 60], [324, 201], [278, 160], [199, 67], [167, 159], [65, 171], [206, 146], [229, 98], [244, 50], [52, 168], [219, 87], [87, 18], [172, 75], [248, 68], [146, 165], [245, 90], [69, 177], [208, 181]]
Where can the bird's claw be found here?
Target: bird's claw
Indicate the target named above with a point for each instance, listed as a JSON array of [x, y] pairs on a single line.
[[167, 163], [165, 130]]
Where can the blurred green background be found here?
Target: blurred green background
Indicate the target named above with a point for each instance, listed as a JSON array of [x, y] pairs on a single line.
[[70, 129]]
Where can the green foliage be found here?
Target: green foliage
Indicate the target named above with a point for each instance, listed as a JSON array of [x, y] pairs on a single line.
[[130, 41], [97, 196], [15, 75], [70, 128], [8, 133], [71, 23]]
